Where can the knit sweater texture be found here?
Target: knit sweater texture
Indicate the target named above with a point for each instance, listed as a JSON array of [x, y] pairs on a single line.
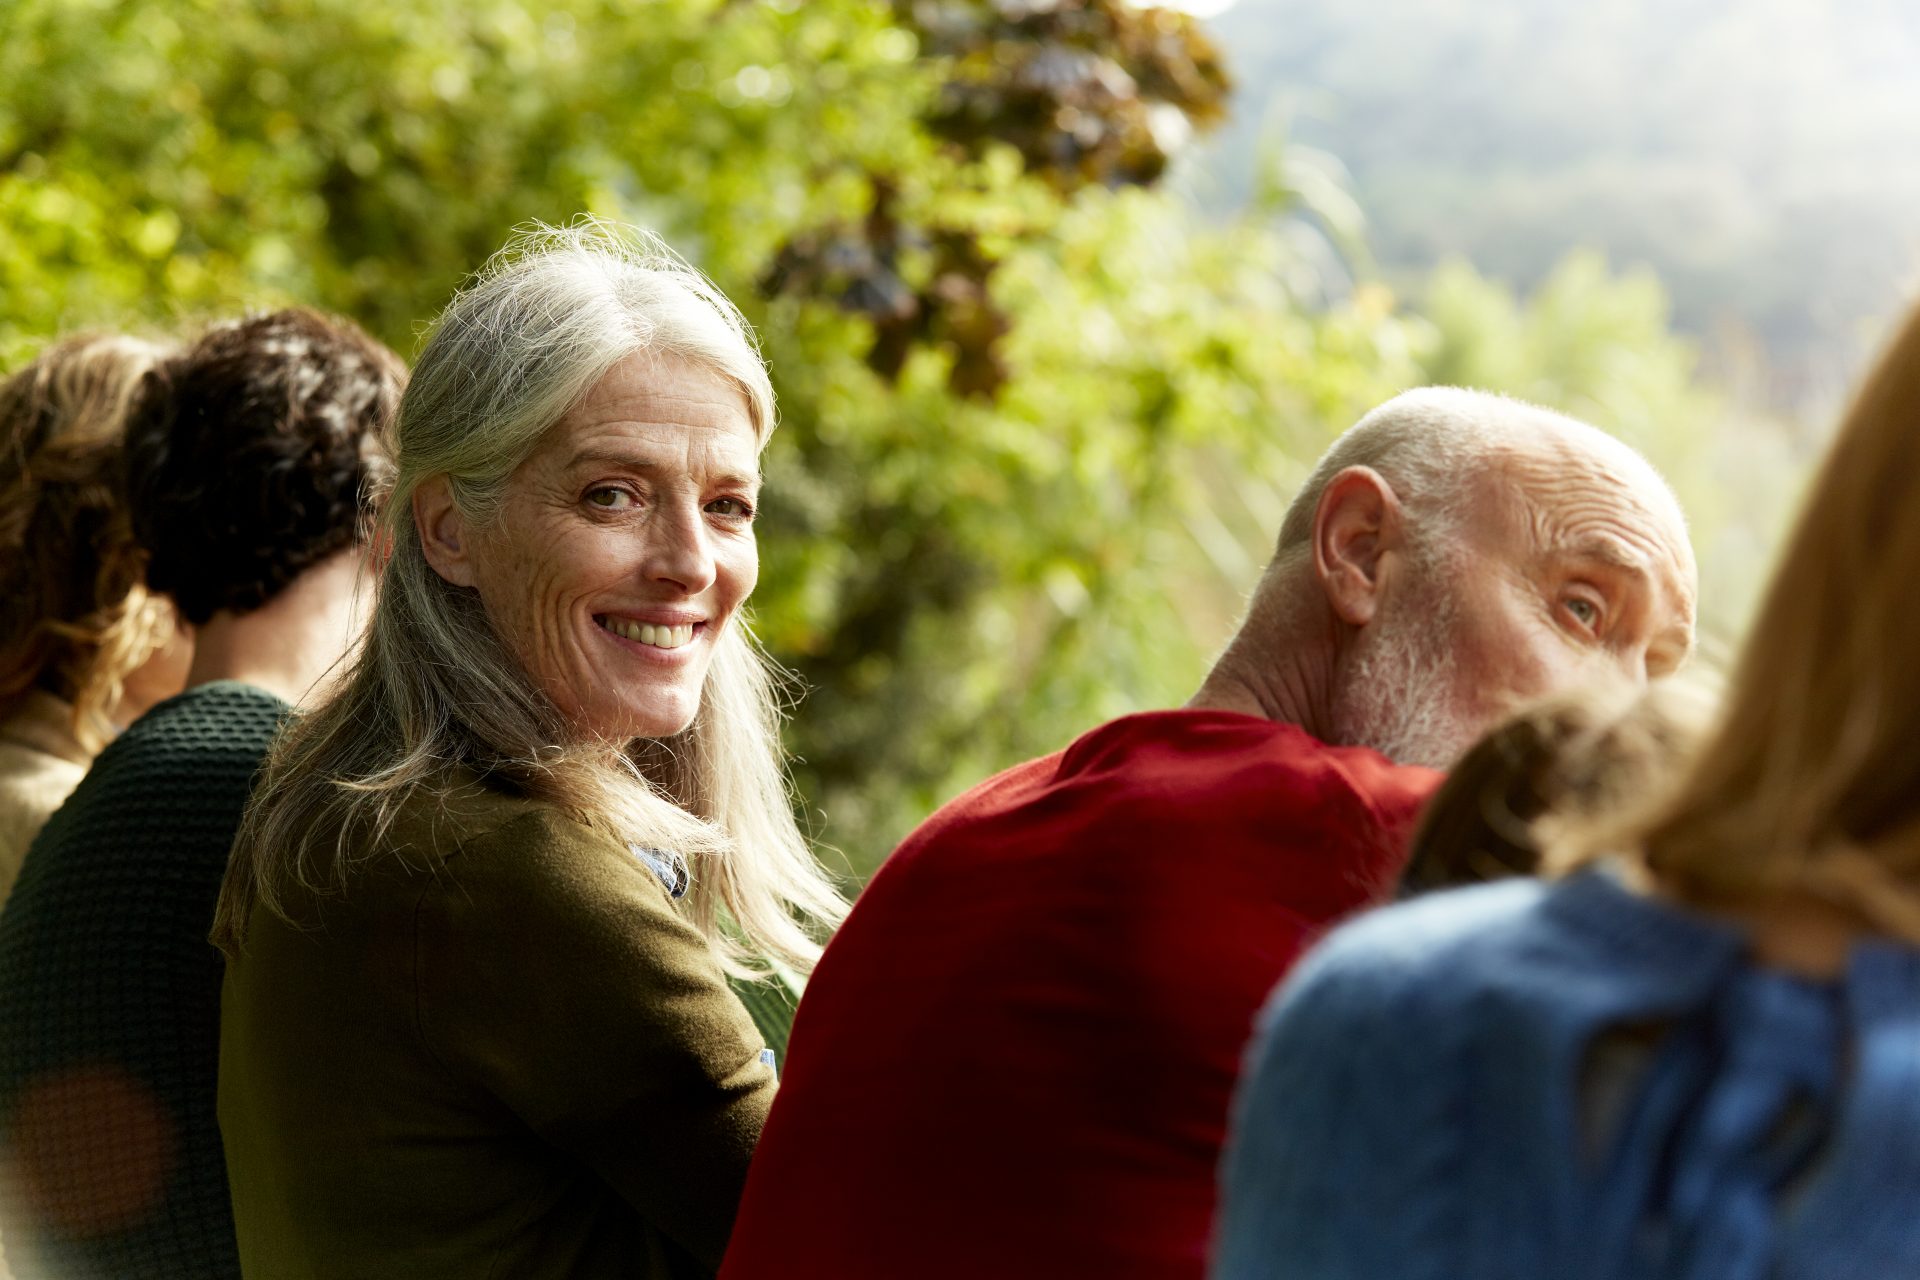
[[1574, 1080], [110, 998]]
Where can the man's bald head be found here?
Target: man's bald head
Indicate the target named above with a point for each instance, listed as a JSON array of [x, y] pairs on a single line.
[[1467, 551], [1433, 445]]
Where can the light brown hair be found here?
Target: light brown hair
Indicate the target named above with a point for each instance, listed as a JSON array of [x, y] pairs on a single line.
[[78, 617], [1810, 783]]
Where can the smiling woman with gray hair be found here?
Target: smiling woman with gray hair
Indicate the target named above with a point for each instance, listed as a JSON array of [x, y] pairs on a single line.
[[479, 918]]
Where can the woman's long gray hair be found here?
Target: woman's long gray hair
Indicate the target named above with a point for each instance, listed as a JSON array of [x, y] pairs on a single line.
[[434, 689]]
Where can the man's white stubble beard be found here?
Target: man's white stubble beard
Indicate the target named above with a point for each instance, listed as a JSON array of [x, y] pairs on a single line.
[[1399, 697]]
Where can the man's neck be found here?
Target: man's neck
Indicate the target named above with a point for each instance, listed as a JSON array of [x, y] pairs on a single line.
[[1279, 667], [291, 643]]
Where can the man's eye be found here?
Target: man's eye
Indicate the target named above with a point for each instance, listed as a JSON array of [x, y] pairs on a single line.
[[610, 499], [738, 508], [1584, 611]]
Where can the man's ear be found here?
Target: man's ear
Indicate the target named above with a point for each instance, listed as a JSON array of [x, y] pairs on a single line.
[[1358, 521], [445, 538]]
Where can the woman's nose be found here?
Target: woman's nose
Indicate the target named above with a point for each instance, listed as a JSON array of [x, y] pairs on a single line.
[[679, 549]]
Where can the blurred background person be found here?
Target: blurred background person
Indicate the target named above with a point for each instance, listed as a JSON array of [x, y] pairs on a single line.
[[1564, 758], [478, 921], [1697, 1055], [84, 647], [248, 462], [1017, 1057]]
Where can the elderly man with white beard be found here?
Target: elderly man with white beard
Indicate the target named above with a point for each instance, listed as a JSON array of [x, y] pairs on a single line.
[[1016, 1058]]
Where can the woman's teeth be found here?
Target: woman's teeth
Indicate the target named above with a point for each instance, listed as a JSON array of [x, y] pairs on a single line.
[[660, 637]]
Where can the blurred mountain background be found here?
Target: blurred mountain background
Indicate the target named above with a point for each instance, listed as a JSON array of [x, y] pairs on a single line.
[[1761, 157]]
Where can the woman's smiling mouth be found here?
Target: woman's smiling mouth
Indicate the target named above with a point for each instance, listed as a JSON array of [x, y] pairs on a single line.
[[657, 635]]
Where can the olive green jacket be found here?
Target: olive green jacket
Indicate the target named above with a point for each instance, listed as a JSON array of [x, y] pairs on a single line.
[[522, 1064]]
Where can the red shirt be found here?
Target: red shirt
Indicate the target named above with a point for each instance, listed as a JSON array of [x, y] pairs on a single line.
[[1016, 1058]]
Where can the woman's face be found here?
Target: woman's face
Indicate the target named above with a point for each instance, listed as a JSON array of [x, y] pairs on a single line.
[[625, 547]]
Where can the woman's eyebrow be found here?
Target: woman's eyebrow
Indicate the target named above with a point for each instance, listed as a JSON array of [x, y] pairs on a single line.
[[633, 460]]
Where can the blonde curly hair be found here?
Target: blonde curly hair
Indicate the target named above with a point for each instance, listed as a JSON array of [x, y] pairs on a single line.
[[79, 617]]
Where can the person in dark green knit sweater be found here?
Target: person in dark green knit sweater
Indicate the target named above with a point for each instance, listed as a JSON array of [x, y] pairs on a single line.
[[483, 910], [246, 462]]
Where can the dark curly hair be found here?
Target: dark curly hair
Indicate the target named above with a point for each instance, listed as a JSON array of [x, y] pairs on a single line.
[[254, 454], [78, 618]]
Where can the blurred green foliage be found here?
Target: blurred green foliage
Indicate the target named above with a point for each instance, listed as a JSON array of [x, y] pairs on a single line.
[[1039, 419]]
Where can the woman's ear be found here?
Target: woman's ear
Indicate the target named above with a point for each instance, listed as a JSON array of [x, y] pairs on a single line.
[[444, 537], [1357, 522]]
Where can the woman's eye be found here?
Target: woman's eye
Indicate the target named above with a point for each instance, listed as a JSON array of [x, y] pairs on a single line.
[[737, 508], [610, 499], [1584, 611]]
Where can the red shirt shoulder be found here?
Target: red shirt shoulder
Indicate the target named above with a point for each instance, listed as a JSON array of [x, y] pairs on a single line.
[[1016, 1058], [1212, 782]]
